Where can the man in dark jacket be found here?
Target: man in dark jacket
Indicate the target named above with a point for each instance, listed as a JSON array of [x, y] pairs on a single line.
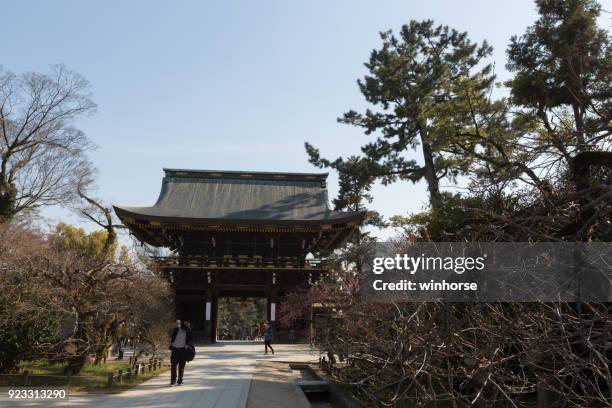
[[181, 338]]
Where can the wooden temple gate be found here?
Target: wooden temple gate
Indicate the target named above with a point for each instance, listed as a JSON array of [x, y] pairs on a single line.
[[239, 234]]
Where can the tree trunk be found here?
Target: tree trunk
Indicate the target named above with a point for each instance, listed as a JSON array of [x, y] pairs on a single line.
[[111, 238], [76, 362], [579, 123], [8, 196], [430, 175]]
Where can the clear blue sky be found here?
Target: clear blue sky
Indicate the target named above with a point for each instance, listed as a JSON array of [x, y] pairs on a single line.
[[236, 85]]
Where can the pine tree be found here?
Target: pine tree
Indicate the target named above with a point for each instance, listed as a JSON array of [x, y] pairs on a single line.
[[562, 69], [416, 82]]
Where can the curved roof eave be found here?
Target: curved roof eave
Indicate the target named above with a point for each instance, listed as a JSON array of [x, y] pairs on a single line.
[[338, 217]]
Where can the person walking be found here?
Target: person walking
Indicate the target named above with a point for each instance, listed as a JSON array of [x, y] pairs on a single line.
[[268, 337], [121, 347], [182, 337]]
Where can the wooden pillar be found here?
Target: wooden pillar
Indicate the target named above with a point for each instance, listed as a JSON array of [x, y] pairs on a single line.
[[273, 312], [311, 327], [271, 295], [272, 306], [213, 319], [269, 306], [208, 316]]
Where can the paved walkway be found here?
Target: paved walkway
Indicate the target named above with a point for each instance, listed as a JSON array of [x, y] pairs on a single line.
[[273, 386], [219, 377]]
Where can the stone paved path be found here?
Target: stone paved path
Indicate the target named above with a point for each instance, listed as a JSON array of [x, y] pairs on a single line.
[[219, 377]]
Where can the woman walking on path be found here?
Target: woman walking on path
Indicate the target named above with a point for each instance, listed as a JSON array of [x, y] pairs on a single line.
[[181, 338], [268, 337]]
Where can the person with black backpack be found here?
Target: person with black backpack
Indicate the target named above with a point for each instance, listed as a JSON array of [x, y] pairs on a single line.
[[181, 344]]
